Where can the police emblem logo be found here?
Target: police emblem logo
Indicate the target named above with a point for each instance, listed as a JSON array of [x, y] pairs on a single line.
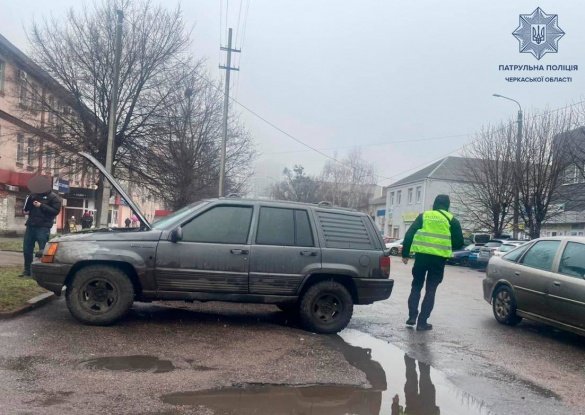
[[538, 33]]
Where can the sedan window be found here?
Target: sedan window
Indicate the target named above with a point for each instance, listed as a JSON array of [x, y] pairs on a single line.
[[573, 260], [541, 255], [515, 254]]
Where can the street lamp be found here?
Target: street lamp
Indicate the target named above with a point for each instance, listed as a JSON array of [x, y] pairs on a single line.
[[517, 169]]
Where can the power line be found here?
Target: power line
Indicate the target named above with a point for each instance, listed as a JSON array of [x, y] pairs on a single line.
[[374, 144], [499, 129]]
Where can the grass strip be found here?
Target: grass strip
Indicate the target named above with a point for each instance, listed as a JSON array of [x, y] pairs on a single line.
[[16, 291]]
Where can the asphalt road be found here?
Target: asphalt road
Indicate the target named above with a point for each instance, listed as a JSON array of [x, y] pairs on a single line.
[[174, 358]]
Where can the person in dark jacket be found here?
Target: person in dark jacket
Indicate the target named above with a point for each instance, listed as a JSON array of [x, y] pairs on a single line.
[[432, 236], [41, 208]]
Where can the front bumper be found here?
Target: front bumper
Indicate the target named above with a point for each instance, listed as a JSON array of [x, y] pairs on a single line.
[[50, 276], [370, 290]]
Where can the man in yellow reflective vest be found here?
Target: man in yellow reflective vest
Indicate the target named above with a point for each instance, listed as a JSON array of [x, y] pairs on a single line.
[[432, 237]]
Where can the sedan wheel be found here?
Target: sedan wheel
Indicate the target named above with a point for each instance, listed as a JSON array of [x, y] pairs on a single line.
[[504, 306]]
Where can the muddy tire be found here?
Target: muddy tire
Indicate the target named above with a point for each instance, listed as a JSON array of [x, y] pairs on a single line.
[[504, 306], [326, 307], [394, 251], [99, 295]]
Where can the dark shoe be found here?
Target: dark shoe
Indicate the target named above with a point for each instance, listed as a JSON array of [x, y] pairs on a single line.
[[24, 275], [411, 321], [424, 326]]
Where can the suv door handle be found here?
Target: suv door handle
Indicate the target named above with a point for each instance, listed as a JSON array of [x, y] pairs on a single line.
[[556, 283], [308, 253], [239, 251]]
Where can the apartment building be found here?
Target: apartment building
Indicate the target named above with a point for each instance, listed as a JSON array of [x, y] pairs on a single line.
[[33, 107]]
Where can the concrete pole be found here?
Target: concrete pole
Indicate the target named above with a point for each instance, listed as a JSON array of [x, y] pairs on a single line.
[[105, 207], [518, 175], [226, 103]]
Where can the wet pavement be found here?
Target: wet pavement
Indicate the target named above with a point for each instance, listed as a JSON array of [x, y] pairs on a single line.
[[247, 359]]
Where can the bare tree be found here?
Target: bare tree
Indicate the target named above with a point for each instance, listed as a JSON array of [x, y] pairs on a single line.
[[78, 52], [297, 186], [349, 182], [485, 189], [543, 167], [179, 160]]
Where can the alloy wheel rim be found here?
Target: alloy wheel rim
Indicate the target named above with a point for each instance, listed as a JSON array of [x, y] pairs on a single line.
[[503, 304]]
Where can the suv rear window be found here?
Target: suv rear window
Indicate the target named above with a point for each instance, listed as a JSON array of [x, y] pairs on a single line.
[[284, 227], [344, 231]]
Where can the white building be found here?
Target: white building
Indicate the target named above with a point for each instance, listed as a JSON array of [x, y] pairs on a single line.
[[414, 194]]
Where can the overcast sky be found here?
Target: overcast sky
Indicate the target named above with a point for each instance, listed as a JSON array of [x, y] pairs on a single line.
[[338, 74]]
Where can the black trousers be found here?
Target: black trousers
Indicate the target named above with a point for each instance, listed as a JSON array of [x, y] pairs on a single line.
[[431, 268], [32, 236]]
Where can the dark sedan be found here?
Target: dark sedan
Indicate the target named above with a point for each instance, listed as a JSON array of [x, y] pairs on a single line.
[[461, 257]]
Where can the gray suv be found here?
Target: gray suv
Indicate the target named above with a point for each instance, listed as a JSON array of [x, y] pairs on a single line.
[[312, 259]]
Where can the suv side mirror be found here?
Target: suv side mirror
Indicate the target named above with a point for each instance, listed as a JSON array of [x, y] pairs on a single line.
[[177, 234]]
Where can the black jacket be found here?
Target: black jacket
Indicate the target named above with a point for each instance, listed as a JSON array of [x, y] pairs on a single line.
[[42, 216], [456, 235]]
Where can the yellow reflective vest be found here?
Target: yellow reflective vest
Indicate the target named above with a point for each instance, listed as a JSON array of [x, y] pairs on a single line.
[[434, 238]]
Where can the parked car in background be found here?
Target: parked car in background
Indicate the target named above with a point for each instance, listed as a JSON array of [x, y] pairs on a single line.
[[395, 247], [486, 251], [507, 247], [542, 280], [389, 239], [472, 259], [461, 257]]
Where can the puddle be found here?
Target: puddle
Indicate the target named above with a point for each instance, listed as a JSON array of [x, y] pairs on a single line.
[[146, 364], [400, 385]]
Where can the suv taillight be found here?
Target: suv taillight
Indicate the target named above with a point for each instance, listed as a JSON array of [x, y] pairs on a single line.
[[385, 266]]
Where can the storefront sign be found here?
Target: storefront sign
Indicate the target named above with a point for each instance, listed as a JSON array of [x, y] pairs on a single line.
[[82, 193], [61, 185], [409, 216]]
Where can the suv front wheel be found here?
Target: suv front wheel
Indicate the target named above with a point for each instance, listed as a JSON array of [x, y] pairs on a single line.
[[99, 295], [326, 307]]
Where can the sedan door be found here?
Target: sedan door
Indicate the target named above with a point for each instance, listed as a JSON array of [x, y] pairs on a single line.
[[284, 251], [532, 276], [567, 286], [212, 255]]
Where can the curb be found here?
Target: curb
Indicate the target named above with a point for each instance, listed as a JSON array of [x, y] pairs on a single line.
[[35, 302]]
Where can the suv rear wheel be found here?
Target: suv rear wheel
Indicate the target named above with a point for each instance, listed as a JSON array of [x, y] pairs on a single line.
[[99, 295], [326, 307]]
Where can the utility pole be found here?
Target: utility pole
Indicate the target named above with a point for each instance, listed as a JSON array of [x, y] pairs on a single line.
[[226, 103], [518, 174], [103, 213]]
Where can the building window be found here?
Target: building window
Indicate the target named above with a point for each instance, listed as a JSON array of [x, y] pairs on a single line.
[[30, 152], [2, 75], [410, 196], [418, 194], [19, 148], [570, 174], [398, 197], [23, 92], [49, 160], [51, 109], [391, 198]]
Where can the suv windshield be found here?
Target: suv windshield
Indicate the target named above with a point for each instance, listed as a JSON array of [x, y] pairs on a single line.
[[175, 216]]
